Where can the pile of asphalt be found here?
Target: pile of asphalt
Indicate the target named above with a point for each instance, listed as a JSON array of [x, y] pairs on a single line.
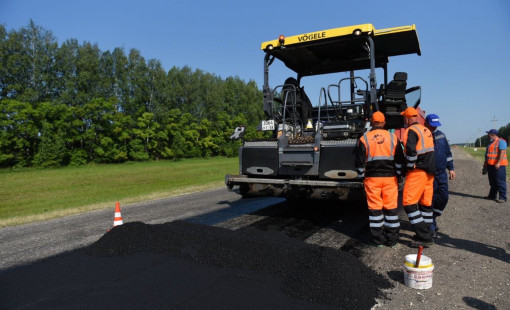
[[310, 272]]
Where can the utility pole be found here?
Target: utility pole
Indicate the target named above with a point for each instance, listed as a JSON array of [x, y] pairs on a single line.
[[479, 137], [494, 120]]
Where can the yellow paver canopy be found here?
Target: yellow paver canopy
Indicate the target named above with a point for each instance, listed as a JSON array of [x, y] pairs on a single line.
[[342, 49]]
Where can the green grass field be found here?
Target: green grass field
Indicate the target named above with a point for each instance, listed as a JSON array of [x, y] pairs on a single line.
[[476, 152], [28, 195]]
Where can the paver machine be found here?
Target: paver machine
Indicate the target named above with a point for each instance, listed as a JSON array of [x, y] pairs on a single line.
[[309, 154]]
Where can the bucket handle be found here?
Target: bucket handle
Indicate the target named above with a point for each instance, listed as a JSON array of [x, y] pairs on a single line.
[[418, 257]]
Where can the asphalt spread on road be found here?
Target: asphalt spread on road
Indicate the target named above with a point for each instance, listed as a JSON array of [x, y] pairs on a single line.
[[310, 272]]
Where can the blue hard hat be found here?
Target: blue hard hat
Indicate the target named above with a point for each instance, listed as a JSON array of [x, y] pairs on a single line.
[[433, 120], [492, 132]]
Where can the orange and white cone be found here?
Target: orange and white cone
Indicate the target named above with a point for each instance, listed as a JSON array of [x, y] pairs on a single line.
[[117, 219]]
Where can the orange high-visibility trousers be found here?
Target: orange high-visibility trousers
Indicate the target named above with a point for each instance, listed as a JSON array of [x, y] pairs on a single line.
[[382, 192], [418, 188]]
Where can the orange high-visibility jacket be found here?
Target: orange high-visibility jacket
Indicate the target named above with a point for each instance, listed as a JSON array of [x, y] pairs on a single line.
[[377, 146], [382, 154], [419, 148], [492, 154]]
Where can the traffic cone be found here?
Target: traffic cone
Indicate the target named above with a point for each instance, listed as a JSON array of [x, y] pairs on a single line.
[[117, 219], [309, 124]]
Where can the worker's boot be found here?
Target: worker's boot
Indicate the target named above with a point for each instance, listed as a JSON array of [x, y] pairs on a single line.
[[420, 227]]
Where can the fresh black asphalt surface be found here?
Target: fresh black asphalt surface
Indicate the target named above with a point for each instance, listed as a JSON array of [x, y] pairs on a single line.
[[172, 257], [182, 265]]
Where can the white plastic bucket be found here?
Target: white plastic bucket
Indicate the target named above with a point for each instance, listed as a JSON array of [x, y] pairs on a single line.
[[421, 277]]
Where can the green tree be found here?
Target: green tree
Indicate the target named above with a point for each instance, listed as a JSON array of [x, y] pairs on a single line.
[[87, 73], [98, 125], [175, 141], [120, 74], [28, 64], [104, 106], [52, 149], [19, 133], [3, 61], [106, 79], [16, 66], [41, 46], [156, 82], [207, 142], [138, 93], [147, 131], [66, 70], [122, 135], [186, 90], [178, 146]]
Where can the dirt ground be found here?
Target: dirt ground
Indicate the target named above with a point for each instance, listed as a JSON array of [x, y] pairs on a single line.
[[186, 265], [471, 254]]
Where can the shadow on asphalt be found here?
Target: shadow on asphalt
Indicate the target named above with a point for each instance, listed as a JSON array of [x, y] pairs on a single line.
[[396, 275], [467, 195], [476, 303], [472, 246]]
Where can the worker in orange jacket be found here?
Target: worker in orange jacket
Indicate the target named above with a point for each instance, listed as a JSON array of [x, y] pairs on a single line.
[[379, 158], [495, 164], [419, 185]]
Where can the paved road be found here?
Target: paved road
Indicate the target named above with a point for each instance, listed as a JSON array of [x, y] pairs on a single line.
[[471, 256], [191, 264], [31, 242]]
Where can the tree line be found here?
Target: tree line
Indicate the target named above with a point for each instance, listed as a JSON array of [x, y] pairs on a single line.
[[503, 132], [72, 104]]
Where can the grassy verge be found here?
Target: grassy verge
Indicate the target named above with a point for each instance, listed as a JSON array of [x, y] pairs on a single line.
[[28, 195], [476, 152]]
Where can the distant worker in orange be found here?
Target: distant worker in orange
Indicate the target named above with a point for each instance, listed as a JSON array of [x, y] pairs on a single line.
[[419, 185], [495, 164], [379, 158]]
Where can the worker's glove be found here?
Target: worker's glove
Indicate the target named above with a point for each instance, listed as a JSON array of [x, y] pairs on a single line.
[[484, 170]]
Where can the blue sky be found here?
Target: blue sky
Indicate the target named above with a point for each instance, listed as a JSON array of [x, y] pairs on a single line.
[[464, 69]]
